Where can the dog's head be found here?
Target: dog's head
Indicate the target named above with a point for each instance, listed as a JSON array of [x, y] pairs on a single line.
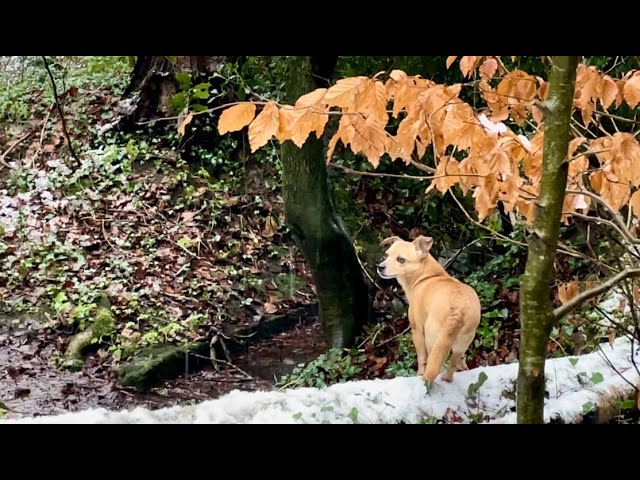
[[402, 257]]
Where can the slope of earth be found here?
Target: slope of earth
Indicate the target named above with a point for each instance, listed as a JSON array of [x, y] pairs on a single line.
[[181, 256]]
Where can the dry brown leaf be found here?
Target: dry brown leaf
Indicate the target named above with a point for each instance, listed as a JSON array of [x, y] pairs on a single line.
[[468, 65], [343, 93], [265, 126], [567, 291], [609, 91], [398, 75], [236, 118], [270, 227], [634, 202], [372, 102], [450, 61], [488, 68], [270, 308], [631, 90], [183, 123]]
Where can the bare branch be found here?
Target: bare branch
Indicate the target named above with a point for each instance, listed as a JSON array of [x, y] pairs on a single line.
[[60, 111], [578, 300], [403, 176], [8, 151], [623, 228]]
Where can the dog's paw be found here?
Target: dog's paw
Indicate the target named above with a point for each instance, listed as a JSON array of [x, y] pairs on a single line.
[[447, 378]]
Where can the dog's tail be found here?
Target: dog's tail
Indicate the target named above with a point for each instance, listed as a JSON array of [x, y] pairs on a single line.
[[443, 344]]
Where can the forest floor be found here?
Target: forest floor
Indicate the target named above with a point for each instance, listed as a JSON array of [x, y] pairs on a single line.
[[183, 255]]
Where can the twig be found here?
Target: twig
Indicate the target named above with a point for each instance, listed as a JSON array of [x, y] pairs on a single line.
[[374, 174], [616, 117], [8, 151], [453, 259], [60, 111], [606, 359], [404, 176], [44, 127], [104, 234], [623, 229], [478, 224], [593, 292], [365, 270], [229, 364], [388, 340]]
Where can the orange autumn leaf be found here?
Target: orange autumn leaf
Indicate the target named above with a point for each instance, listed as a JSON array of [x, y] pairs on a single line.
[[183, 124], [567, 291], [237, 117], [488, 68], [265, 126]]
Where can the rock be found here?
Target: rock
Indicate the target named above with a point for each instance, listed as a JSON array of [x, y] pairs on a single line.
[[160, 362]]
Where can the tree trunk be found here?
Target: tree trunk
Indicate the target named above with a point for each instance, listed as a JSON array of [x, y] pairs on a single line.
[[343, 297], [153, 79], [536, 310]]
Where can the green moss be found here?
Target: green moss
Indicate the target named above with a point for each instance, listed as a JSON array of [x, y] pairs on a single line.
[[103, 324], [157, 363]]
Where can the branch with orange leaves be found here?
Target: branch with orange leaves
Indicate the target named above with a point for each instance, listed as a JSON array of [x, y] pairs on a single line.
[[579, 299], [562, 248]]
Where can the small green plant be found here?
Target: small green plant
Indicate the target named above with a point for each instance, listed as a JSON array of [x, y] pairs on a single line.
[[335, 366], [473, 400], [428, 421], [353, 415], [405, 363]]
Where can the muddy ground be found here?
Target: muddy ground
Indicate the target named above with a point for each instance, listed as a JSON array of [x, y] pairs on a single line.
[[31, 383]]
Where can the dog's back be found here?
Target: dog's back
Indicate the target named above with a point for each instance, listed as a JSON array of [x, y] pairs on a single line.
[[451, 313]]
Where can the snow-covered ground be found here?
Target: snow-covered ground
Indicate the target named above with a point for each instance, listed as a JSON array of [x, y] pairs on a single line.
[[573, 384]]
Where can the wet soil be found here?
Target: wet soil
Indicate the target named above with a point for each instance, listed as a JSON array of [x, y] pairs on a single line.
[[31, 382]]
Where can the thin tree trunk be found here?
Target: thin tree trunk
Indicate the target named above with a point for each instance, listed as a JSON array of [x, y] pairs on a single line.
[[536, 310], [343, 297]]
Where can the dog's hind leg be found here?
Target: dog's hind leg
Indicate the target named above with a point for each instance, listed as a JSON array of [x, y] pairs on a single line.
[[421, 349], [455, 362]]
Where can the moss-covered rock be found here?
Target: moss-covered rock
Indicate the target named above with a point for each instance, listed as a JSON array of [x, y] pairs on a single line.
[[160, 362], [104, 322]]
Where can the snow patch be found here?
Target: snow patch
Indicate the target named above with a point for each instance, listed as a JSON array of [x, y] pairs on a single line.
[[571, 382]]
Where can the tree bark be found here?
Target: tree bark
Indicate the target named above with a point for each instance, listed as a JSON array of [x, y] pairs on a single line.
[[153, 79], [343, 296], [536, 311]]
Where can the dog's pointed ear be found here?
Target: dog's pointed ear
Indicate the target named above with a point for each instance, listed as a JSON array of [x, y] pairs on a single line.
[[423, 244], [389, 241]]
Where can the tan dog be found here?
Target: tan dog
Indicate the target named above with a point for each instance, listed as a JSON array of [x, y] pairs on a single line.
[[444, 313]]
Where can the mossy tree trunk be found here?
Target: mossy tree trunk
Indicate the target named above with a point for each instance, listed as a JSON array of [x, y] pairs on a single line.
[[536, 311], [153, 79], [153, 82], [343, 296]]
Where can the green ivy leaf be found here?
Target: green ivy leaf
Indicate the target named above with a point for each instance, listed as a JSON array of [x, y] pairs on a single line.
[[587, 408], [597, 378], [626, 404]]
